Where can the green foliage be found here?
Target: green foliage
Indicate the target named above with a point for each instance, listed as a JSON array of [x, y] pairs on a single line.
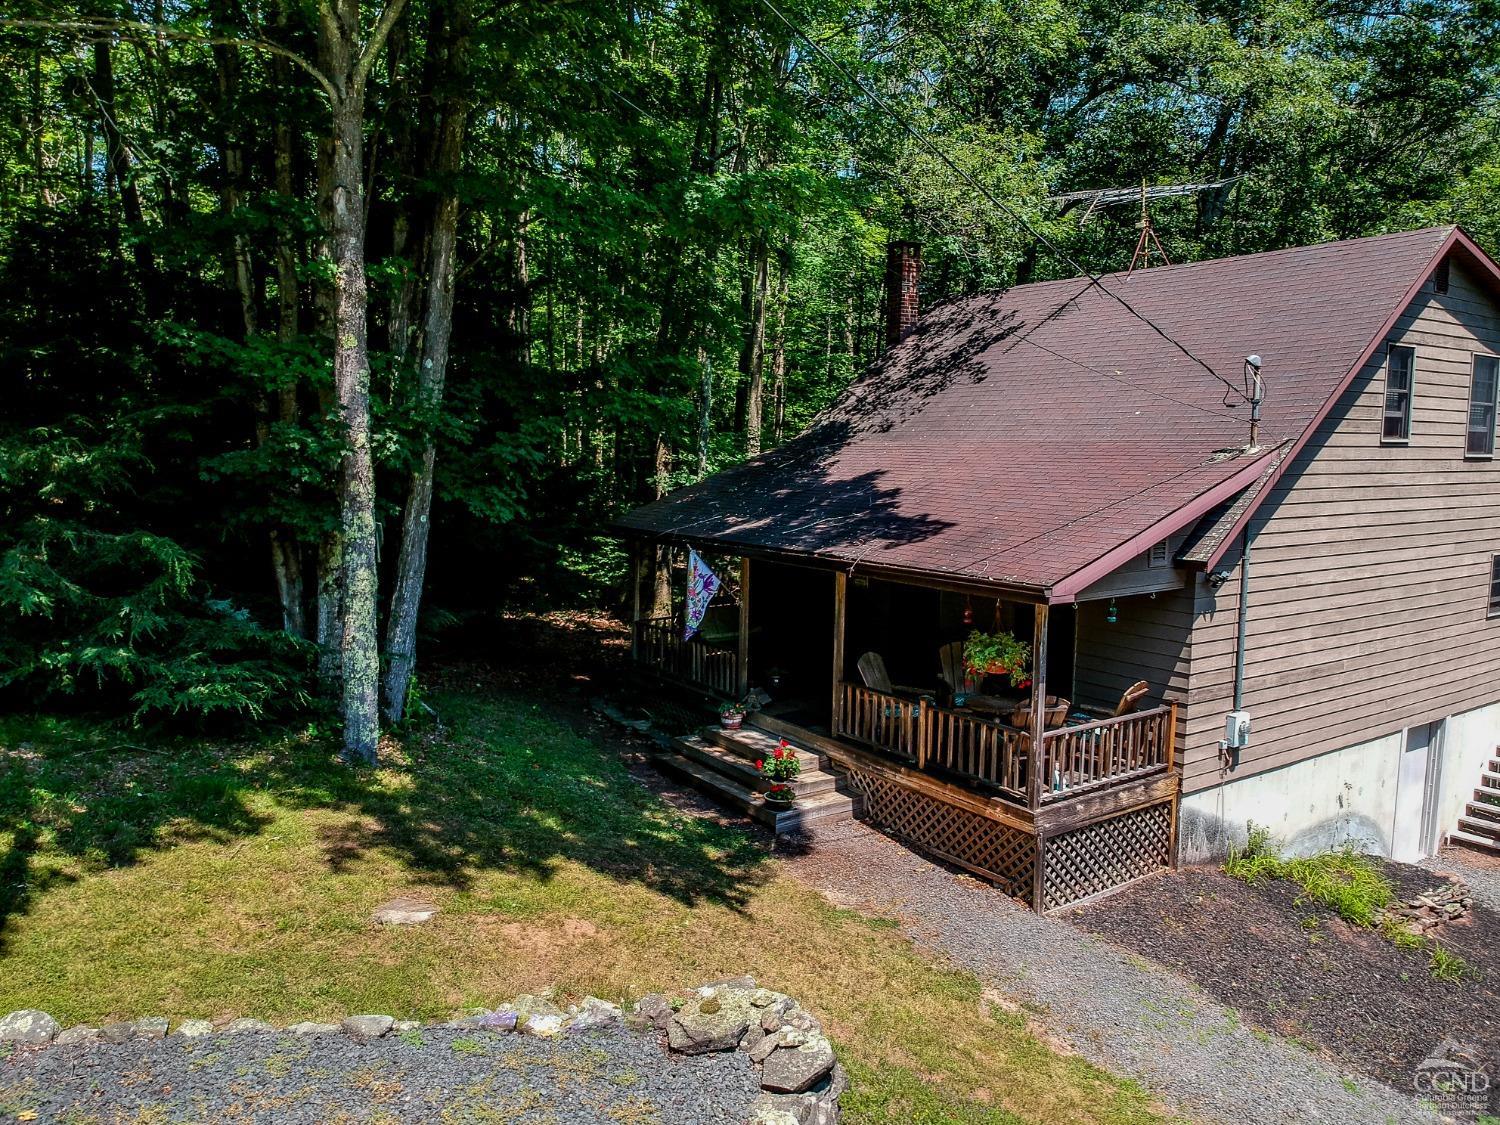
[[997, 653], [1347, 882]]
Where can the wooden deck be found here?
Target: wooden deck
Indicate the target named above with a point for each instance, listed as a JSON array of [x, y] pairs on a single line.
[[1096, 808], [958, 787]]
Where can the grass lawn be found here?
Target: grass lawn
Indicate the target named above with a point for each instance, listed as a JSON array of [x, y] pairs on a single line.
[[199, 878]]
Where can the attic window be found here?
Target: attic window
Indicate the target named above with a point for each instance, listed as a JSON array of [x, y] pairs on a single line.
[[1482, 388], [1440, 277], [1159, 555], [1399, 364], [1494, 586]]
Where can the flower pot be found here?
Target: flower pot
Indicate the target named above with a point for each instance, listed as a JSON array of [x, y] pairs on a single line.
[[780, 800], [731, 722]]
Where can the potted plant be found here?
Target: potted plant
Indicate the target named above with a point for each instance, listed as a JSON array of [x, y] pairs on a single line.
[[731, 715], [998, 654], [780, 769]]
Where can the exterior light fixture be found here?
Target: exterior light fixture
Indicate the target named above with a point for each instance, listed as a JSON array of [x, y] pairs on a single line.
[[1111, 615]]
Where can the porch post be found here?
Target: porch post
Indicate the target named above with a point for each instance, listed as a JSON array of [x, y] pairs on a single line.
[[637, 576], [1038, 705], [742, 664], [840, 591]]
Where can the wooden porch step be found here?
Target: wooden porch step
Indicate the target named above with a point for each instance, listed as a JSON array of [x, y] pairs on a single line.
[[741, 769], [1482, 843], [753, 745], [1483, 810], [818, 811], [1479, 826]]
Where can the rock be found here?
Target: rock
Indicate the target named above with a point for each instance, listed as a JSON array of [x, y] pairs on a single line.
[[310, 1028], [79, 1034], [538, 1016], [151, 1027], [762, 1050], [406, 1025], [715, 1022], [593, 1014], [117, 1033], [656, 1009], [28, 1026], [194, 1029], [802, 1019], [774, 1015], [744, 984], [247, 1027], [764, 997], [790, 1070], [752, 1037], [366, 1027], [501, 1019], [404, 911], [768, 1112]]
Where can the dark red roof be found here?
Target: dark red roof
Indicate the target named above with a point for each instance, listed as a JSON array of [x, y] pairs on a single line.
[[1040, 437]]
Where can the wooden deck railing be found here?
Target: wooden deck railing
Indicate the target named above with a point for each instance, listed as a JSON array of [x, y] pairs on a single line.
[[1075, 759], [659, 645], [975, 747], [886, 722], [1082, 759]]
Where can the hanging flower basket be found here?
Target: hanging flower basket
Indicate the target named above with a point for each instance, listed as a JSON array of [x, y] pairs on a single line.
[[998, 654]]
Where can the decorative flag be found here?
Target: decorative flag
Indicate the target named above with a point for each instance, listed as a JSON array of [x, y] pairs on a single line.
[[703, 584]]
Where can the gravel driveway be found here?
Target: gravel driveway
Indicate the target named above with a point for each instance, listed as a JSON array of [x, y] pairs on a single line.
[[438, 1074], [1118, 1010]]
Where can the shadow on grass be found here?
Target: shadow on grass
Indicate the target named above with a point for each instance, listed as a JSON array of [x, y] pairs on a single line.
[[503, 785]]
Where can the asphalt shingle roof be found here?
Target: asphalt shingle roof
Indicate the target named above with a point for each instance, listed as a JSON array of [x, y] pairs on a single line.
[[1016, 438]]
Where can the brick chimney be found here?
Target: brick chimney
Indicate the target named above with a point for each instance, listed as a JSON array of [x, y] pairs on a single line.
[[903, 268]]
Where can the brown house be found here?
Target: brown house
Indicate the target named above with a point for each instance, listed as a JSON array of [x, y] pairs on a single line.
[[1074, 463]]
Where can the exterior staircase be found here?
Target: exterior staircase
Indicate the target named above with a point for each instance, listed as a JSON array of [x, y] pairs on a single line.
[[721, 763], [1479, 827]]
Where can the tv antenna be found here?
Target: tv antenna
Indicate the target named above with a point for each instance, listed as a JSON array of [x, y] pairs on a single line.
[[1147, 241]]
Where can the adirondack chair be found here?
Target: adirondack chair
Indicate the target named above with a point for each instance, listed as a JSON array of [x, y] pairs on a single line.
[[1130, 699], [954, 675], [872, 670]]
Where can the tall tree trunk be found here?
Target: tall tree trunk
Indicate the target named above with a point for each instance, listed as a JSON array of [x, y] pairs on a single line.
[[346, 62], [778, 351], [753, 351], [437, 332], [118, 159]]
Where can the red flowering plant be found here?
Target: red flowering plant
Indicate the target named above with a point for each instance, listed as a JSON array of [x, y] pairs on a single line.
[[780, 769], [999, 654]]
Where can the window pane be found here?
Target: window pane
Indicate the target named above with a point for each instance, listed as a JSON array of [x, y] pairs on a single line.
[[1398, 381], [1482, 404]]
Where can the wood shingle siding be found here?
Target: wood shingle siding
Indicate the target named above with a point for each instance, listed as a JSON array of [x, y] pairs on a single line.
[[1370, 566]]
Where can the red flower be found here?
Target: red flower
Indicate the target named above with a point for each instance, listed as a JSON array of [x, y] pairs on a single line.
[[779, 753], [760, 763]]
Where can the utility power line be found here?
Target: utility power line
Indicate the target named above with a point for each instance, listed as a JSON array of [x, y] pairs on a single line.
[[1005, 209]]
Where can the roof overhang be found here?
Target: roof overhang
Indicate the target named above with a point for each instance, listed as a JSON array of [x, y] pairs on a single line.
[[1074, 584]]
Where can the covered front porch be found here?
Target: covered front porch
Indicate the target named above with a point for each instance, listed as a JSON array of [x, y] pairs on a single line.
[[1057, 788]]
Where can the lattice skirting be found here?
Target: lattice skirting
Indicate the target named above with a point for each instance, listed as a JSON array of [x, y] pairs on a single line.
[[1107, 854], [996, 851]]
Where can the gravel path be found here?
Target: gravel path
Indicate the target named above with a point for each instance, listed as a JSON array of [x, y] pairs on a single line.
[[1116, 1009], [437, 1074], [1480, 871]]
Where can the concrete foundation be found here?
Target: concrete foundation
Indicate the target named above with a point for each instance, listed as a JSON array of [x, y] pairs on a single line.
[[1345, 797]]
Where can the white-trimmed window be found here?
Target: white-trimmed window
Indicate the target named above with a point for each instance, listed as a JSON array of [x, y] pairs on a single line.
[[1400, 367], [1494, 586], [1483, 385]]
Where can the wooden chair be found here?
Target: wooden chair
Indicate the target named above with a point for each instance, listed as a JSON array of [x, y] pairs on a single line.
[[872, 670], [954, 675], [1131, 698]]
